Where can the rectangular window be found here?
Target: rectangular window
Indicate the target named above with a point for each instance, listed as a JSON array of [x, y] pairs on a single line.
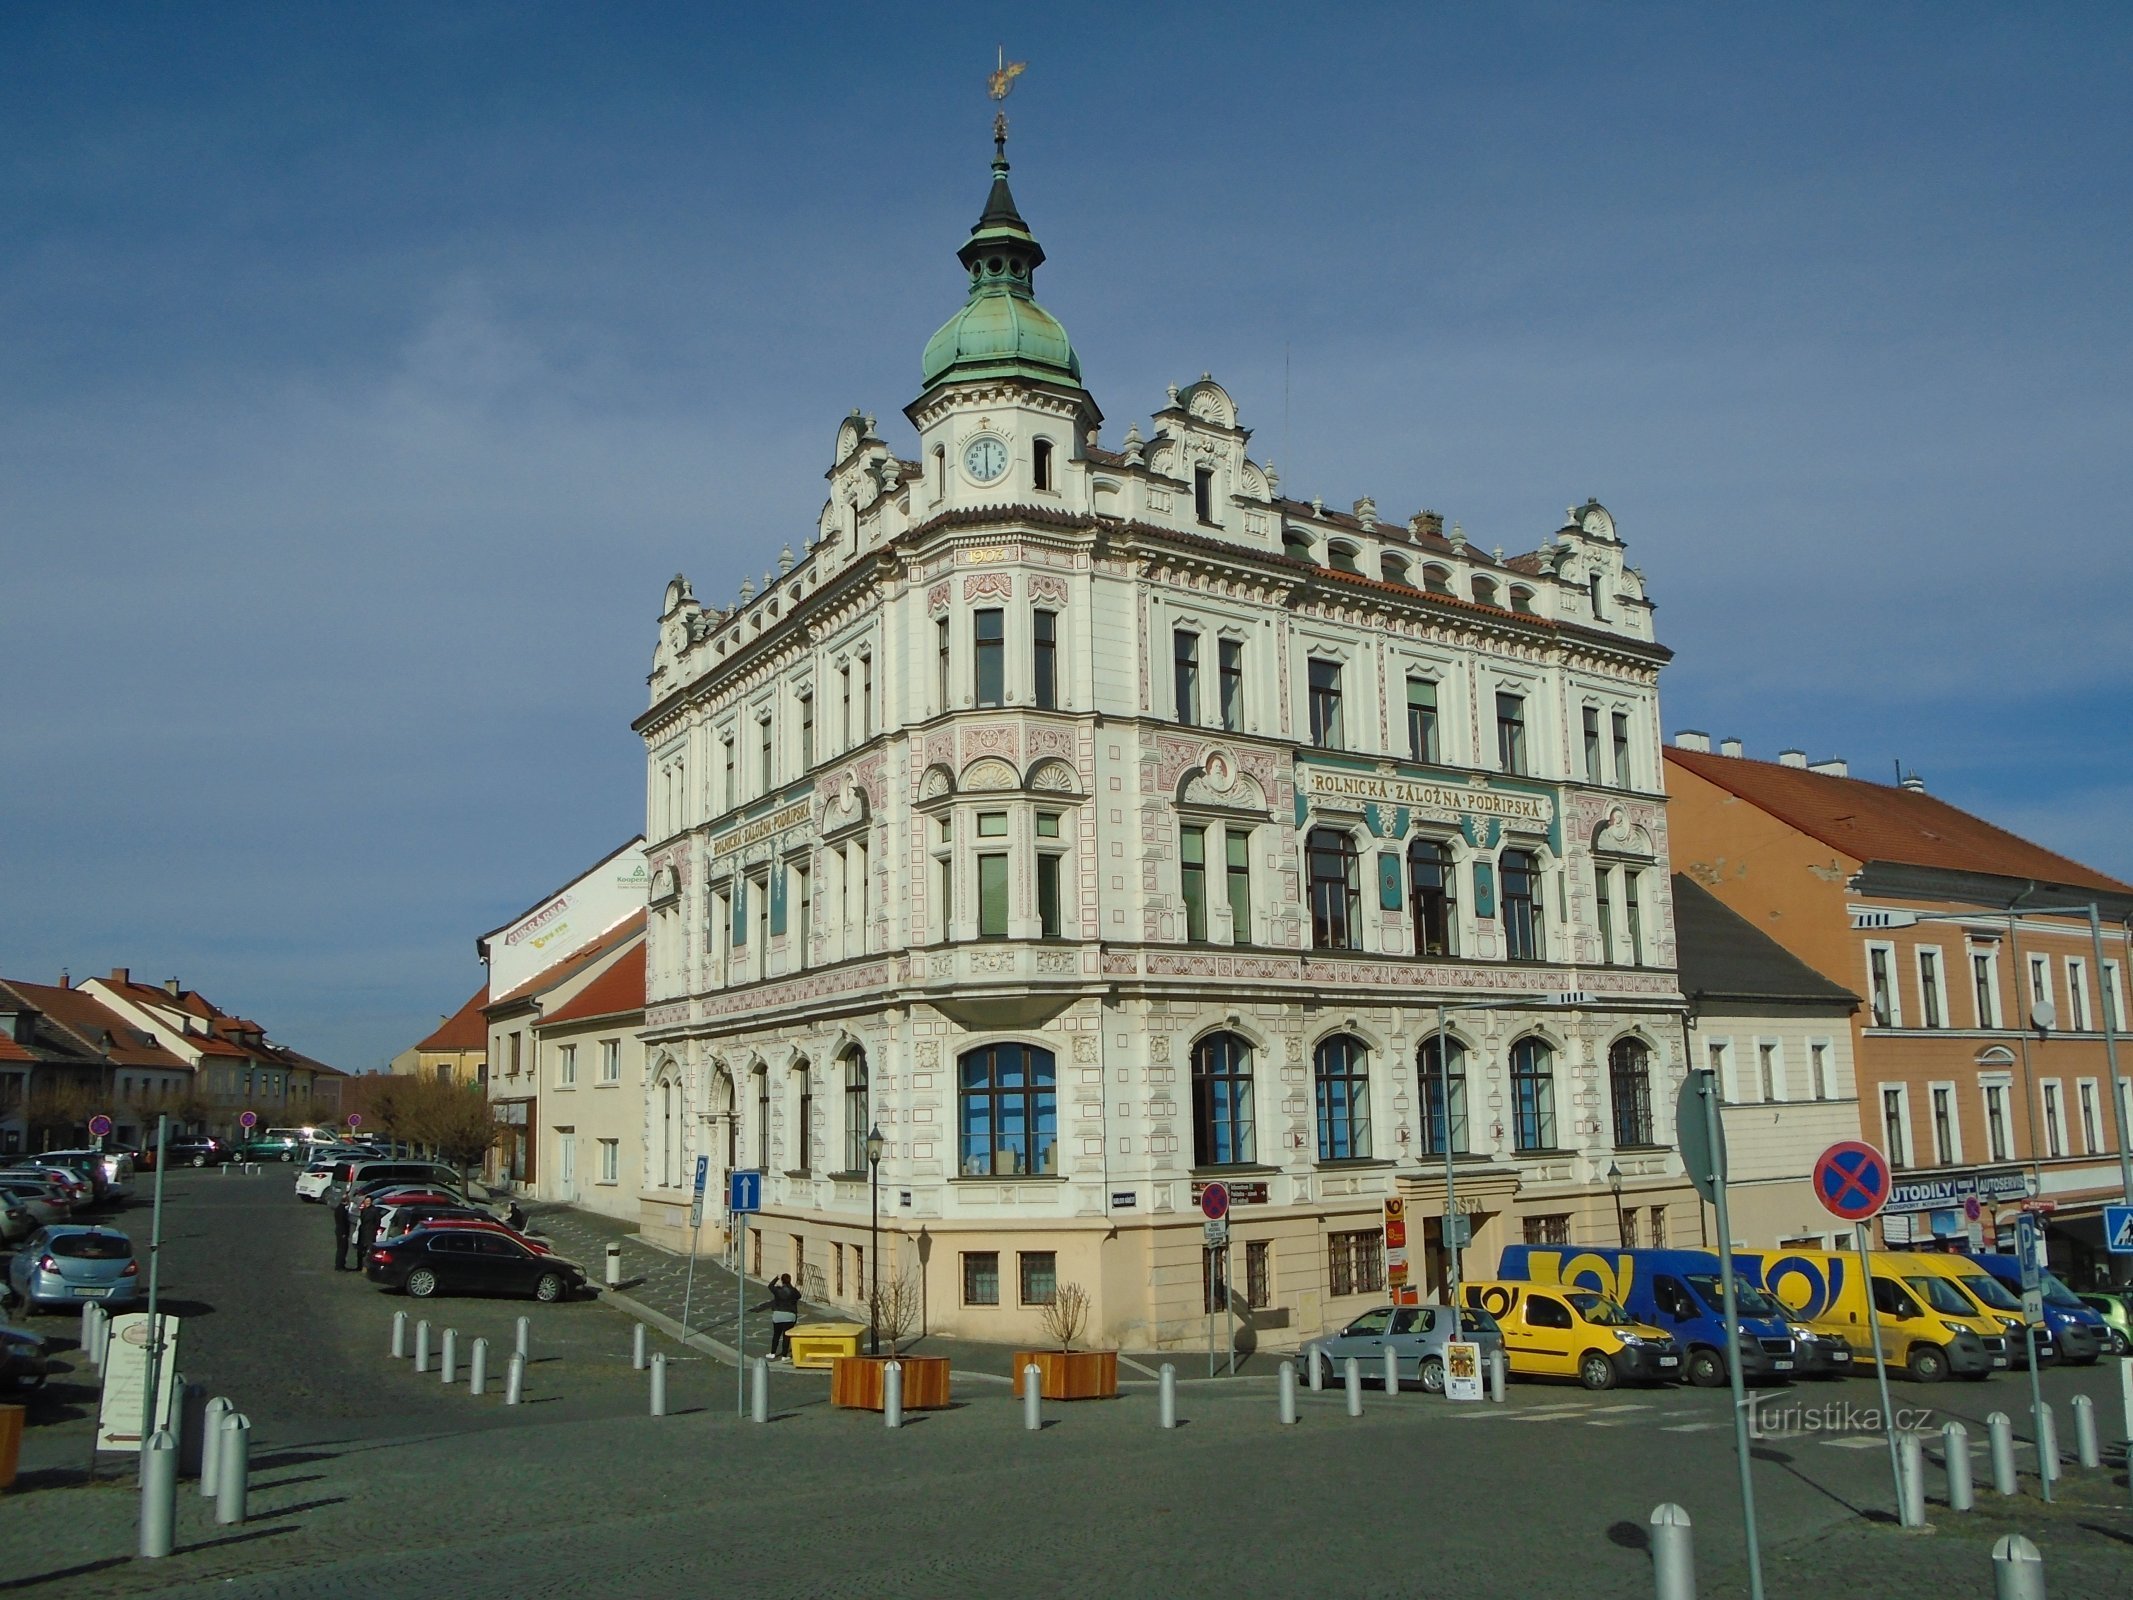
[[1203, 493], [2077, 995], [1985, 979], [1044, 657], [940, 662], [1633, 913], [989, 668], [2114, 1004], [1047, 824], [992, 896], [1946, 1152], [1192, 879], [1551, 1228], [803, 888], [866, 697], [1355, 1262], [2040, 981], [844, 707], [1185, 674], [1237, 844], [1621, 742], [610, 1160], [1593, 774], [1997, 1145], [1881, 988], [1422, 720], [567, 1065], [1231, 655], [1929, 998], [807, 731], [516, 1056], [726, 781], [610, 1060], [1040, 1276], [1258, 1274], [2054, 1141], [1325, 679], [1048, 913], [1893, 1142], [981, 1277], [1818, 1063], [2089, 1145], [1766, 1066], [1511, 732], [1603, 878], [765, 770], [1522, 921]]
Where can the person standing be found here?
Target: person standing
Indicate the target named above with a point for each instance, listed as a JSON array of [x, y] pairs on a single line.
[[340, 1237], [366, 1233], [784, 1308]]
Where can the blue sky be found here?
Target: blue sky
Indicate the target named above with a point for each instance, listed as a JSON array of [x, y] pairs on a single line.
[[367, 371]]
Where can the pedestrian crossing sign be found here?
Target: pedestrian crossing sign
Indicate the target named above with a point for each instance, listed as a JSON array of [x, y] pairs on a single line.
[[2118, 1230]]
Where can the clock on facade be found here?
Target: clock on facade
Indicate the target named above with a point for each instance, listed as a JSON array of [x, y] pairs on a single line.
[[985, 458]]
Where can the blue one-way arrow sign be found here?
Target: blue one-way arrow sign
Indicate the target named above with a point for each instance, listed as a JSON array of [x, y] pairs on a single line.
[[2118, 1230]]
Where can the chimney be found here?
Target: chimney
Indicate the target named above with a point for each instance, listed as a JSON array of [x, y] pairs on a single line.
[[1693, 739], [1730, 747], [1834, 767], [1913, 782], [1427, 523], [121, 975], [66, 978], [1792, 758], [172, 987]]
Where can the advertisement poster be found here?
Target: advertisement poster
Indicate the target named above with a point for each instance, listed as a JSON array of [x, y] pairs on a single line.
[[1462, 1371], [118, 1418]]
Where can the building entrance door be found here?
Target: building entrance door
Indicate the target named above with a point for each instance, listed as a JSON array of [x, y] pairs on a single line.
[[566, 1164]]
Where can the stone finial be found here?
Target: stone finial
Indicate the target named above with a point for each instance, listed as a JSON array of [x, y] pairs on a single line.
[[1273, 477], [870, 422], [1131, 449], [747, 590], [1173, 392], [814, 537], [1366, 512], [1498, 553], [1318, 505], [785, 560], [1458, 537], [1091, 438]]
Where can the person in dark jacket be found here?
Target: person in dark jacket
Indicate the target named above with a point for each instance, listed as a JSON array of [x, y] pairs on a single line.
[[366, 1234], [340, 1238], [784, 1308]]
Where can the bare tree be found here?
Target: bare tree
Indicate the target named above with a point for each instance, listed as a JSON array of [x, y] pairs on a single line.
[[895, 1309], [1066, 1314]]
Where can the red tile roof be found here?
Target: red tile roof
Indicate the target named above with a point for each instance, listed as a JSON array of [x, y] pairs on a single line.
[[11, 1051], [92, 1021], [579, 959], [464, 1029], [1875, 822], [618, 991]]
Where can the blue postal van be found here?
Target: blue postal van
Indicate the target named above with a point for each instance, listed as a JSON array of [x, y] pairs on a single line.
[[2077, 1331], [1678, 1290]]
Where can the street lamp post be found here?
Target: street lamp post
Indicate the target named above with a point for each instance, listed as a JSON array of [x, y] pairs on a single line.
[[1444, 1078], [1614, 1183], [874, 1144]]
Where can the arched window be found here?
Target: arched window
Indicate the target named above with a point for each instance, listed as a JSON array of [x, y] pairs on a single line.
[[1298, 545], [1395, 570], [1435, 1091], [1532, 1095], [1341, 1067], [1336, 891], [857, 1112], [723, 1103], [1342, 556], [1222, 1101], [1485, 591], [1523, 934], [762, 1118], [1432, 885], [1041, 463], [669, 1134], [940, 472], [1629, 1083], [1009, 1112], [1522, 601], [1436, 580]]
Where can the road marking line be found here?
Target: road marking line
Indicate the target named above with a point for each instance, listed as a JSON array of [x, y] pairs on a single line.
[[1692, 1427]]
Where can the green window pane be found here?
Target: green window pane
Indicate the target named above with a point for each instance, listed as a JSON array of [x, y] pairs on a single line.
[[992, 896]]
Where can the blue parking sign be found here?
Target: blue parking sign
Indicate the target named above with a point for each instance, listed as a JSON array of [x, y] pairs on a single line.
[[744, 1192], [703, 1174]]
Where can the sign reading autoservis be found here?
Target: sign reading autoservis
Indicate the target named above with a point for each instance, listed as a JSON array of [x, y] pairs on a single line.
[[568, 919]]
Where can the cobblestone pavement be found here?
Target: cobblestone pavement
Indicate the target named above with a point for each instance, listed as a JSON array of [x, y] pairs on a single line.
[[370, 1481]]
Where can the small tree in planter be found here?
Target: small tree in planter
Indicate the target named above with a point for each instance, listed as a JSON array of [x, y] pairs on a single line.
[[895, 1309], [1066, 1314], [1065, 1373]]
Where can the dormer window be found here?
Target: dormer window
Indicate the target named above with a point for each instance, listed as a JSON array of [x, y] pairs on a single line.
[[1041, 455], [1522, 601], [1485, 591], [1396, 571], [1298, 545], [1343, 558], [1436, 580], [1203, 493]]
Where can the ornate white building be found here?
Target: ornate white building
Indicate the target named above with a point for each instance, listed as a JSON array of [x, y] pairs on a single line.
[[1099, 823]]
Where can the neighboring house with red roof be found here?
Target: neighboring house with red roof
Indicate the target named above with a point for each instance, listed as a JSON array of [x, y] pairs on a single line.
[[56, 1037], [457, 1050], [1982, 1047], [236, 1067], [590, 1057]]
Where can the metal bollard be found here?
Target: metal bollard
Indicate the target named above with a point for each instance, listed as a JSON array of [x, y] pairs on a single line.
[[2125, 1399], [96, 1333], [159, 1495], [478, 1369], [892, 1394], [2047, 1442], [525, 1329], [399, 1335], [659, 1385], [448, 1365], [2088, 1449], [1497, 1373], [233, 1469], [759, 1390], [1999, 1435], [87, 1336], [1316, 1377], [1354, 1376], [211, 1444], [637, 1361], [1032, 1398], [2017, 1570], [1955, 1455], [1166, 1397], [1392, 1370], [1673, 1553], [422, 1345], [1288, 1394], [515, 1381], [1911, 1479], [614, 1266]]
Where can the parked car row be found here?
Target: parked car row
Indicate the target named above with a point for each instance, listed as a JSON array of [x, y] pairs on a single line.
[[429, 1237]]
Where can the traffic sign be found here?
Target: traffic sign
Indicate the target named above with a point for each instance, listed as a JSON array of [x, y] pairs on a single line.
[[1214, 1202], [744, 1192], [703, 1172], [1692, 1133], [2118, 1230], [355, 1119], [1215, 1232], [1852, 1180], [2029, 1251], [248, 1120], [99, 1125]]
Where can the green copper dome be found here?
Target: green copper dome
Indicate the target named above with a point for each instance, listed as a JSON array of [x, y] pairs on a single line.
[[1001, 330]]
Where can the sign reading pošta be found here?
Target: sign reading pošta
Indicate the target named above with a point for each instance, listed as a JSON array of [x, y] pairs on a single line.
[[118, 1417], [1395, 1243]]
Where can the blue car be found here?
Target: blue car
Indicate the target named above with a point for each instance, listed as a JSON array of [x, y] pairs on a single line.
[[2080, 1334], [62, 1267]]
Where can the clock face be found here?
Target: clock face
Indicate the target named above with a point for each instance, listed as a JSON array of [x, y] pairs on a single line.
[[985, 458]]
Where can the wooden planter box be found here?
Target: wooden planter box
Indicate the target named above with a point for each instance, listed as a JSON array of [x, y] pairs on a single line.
[[855, 1381], [1070, 1374]]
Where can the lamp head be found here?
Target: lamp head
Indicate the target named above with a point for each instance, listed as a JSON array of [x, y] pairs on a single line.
[[874, 1144]]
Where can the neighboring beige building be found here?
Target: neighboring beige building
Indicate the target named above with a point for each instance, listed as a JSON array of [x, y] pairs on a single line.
[[1779, 1037], [592, 1101], [457, 1051]]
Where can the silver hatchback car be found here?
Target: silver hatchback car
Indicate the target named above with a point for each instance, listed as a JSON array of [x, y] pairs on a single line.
[[1418, 1333], [69, 1264]]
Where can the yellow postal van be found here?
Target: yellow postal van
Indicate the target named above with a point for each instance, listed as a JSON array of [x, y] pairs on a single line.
[[1559, 1331], [1928, 1327]]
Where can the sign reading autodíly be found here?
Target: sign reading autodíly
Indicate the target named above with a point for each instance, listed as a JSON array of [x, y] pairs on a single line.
[[1852, 1180]]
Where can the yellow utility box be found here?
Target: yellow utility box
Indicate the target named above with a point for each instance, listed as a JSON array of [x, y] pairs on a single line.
[[817, 1344]]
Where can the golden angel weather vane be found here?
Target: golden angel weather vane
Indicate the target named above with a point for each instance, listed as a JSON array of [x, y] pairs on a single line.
[[999, 81]]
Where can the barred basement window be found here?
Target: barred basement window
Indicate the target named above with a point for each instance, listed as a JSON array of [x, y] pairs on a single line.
[[1355, 1262], [1040, 1276], [1258, 1274], [1553, 1228], [981, 1277]]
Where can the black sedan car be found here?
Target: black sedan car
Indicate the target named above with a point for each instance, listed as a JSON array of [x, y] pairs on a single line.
[[198, 1150], [432, 1261]]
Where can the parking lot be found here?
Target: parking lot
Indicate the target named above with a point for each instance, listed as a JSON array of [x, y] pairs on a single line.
[[373, 1480]]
